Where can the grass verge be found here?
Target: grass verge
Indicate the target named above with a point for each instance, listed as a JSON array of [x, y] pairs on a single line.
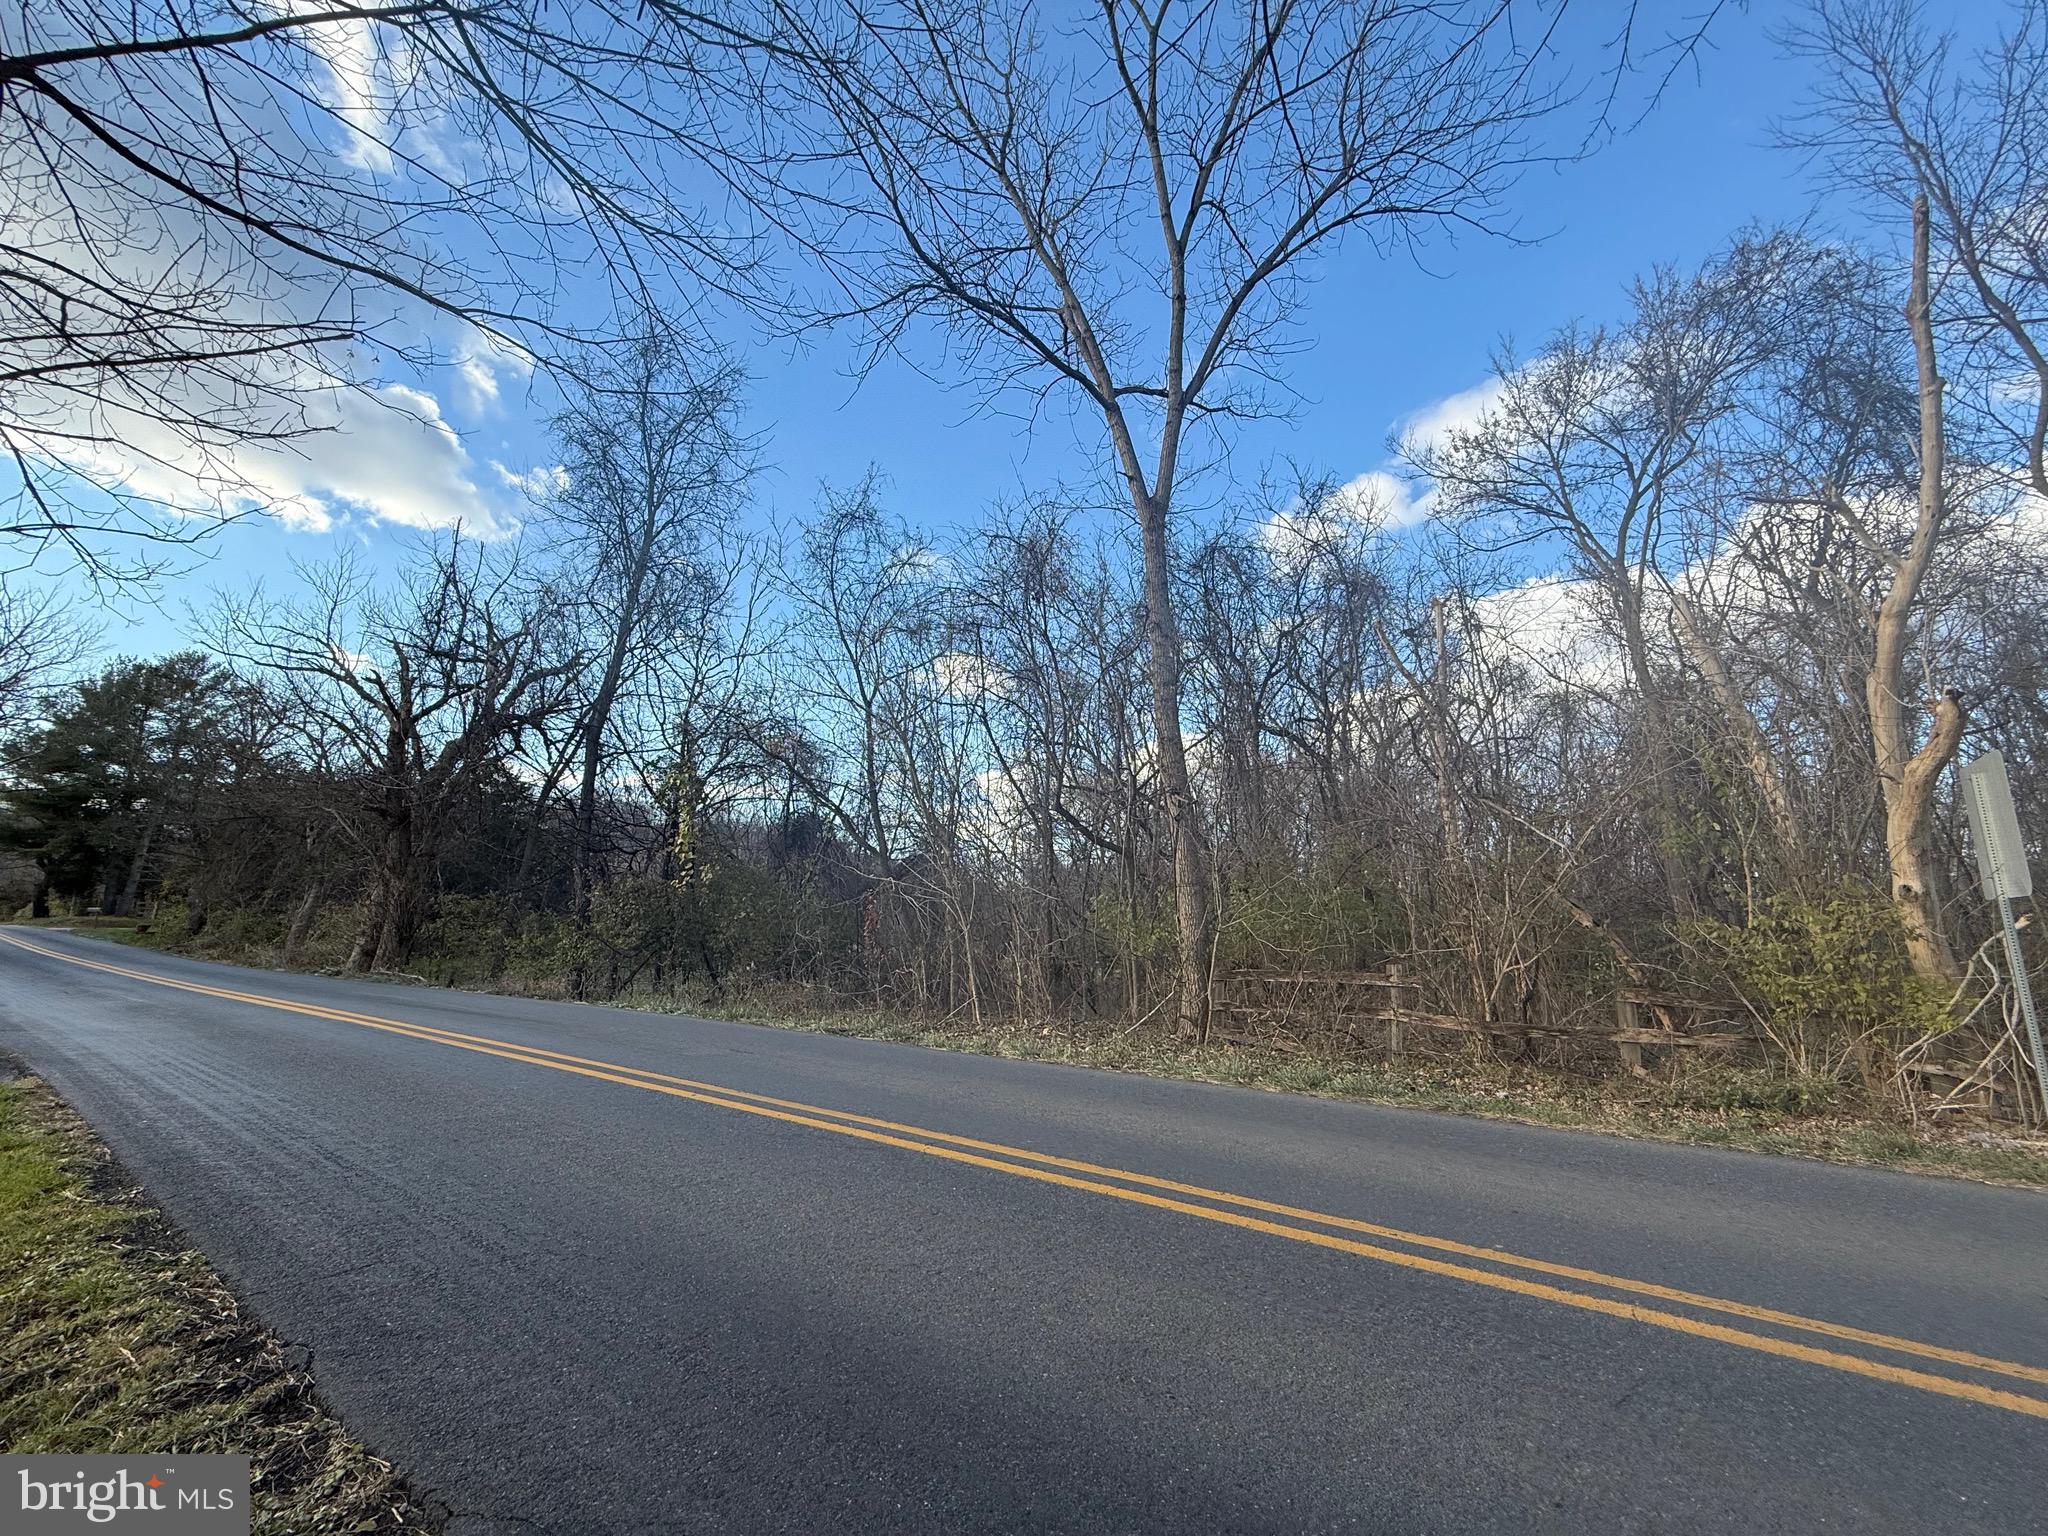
[[1703, 1105], [1710, 1108], [115, 1337]]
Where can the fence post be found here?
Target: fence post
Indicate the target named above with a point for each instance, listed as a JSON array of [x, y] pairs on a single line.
[[1397, 1029], [1625, 1018]]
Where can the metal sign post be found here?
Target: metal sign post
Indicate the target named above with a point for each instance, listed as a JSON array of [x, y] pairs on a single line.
[[2002, 866]]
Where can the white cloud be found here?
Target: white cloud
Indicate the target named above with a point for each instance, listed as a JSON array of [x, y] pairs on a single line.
[[1388, 496], [196, 438], [483, 368], [480, 381], [534, 484], [303, 514], [394, 456], [384, 453], [2030, 514], [1433, 424], [355, 82], [1361, 506], [1403, 498], [920, 562], [1553, 624], [1379, 497], [963, 675]]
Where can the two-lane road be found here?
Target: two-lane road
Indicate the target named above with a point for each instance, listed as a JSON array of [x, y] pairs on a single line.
[[591, 1270]]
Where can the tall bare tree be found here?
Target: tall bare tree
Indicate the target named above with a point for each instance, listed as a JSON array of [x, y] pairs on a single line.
[[1902, 112], [1909, 768], [1603, 445], [1120, 202], [653, 461], [1956, 147], [407, 700]]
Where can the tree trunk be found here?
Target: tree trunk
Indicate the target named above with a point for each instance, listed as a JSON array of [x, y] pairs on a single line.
[[385, 927], [1671, 832], [363, 953], [581, 874], [601, 710], [394, 942], [405, 911], [1190, 846], [196, 909], [1049, 969], [131, 889], [1756, 751], [1907, 777], [302, 922]]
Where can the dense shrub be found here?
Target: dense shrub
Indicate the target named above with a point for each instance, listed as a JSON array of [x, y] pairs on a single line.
[[1330, 916], [1829, 978]]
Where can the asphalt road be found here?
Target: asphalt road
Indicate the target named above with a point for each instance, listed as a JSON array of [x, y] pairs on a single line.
[[566, 1296]]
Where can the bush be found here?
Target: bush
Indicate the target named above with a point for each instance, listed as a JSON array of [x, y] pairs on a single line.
[[1335, 914], [1146, 934], [237, 931], [1829, 975], [463, 944]]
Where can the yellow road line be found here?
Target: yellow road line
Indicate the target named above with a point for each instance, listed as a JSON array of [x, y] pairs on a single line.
[[1819, 1326], [1841, 1331], [768, 1108]]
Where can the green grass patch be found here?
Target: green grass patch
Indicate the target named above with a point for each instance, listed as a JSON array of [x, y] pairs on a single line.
[[115, 1338]]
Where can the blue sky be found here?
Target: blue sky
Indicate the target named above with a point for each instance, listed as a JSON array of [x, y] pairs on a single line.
[[1388, 338]]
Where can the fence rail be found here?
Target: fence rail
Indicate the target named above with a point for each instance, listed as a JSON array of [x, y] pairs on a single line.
[[1349, 1002]]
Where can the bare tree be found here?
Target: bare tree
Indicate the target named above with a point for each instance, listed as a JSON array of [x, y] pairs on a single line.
[[1610, 446], [860, 585], [42, 639], [653, 462], [1124, 209], [1910, 773], [1960, 151], [407, 700], [1897, 114], [1024, 673]]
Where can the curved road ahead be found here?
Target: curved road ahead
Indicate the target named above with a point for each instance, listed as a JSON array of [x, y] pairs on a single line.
[[597, 1271]]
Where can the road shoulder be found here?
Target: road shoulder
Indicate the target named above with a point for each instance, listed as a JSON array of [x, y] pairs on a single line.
[[115, 1336]]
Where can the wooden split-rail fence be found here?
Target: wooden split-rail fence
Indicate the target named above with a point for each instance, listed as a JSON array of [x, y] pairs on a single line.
[[1360, 1004]]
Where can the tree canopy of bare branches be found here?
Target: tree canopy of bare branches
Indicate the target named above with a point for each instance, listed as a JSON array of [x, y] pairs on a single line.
[[220, 216], [1120, 202]]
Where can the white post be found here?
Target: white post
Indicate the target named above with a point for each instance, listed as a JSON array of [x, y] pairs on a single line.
[[2002, 866], [2016, 963]]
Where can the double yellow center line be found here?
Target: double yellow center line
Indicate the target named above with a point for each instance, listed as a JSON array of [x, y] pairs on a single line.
[[1417, 1251]]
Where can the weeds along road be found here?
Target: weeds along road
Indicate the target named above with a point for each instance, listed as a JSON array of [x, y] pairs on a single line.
[[590, 1270]]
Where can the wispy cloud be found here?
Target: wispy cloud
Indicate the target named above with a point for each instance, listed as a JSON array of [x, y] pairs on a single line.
[[1388, 495], [385, 455], [535, 485], [485, 367]]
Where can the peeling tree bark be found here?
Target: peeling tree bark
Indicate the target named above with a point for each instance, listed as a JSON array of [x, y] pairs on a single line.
[[1907, 776]]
